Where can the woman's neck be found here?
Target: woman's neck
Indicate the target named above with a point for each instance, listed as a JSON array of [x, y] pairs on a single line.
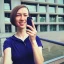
[[21, 34]]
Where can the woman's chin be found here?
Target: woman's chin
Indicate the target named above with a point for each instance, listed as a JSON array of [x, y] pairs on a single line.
[[22, 27]]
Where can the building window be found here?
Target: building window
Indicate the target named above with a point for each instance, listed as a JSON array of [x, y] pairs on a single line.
[[60, 10], [52, 9], [32, 8], [7, 15], [42, 9], [61, 19], [34, 17], [43, 28], [52, 27], [42, 18], [52, 18], [51, 1], [60, 1], [41, 0], [7, 4], [8, 28], [7, 19], [61, 27]]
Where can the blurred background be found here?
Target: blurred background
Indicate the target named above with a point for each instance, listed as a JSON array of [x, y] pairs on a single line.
[[48, 16]]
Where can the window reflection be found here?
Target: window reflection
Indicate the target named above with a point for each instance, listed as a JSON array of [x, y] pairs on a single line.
[[42, 9], [8, 28], [61, 27], [42, 18], [52, 9], [60, 1], [52, 27], [60, 10], [52, 18], [7, 4], [7, 19], [41, 0], [51, 1], [34, 19], [43, 28], [61, 19], [32, 8]]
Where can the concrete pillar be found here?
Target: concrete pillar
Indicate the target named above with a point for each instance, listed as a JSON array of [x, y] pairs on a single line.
[[2, 25], [57, 27], [37, 7], [13, 28], [56, 1], [2, 42], [47, 21], [38, 28], [57, 9], [46, 0], [0, 48], [38, 20], [57, 23]]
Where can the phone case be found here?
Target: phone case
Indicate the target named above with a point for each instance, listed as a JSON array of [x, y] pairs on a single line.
[[29, 21]]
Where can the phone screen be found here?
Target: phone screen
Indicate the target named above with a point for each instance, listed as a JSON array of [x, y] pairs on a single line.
[[29, 21]]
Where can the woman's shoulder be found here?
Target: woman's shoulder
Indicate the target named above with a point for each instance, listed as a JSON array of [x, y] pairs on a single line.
[[37, 37], [7, 43], [8, 39], [38, 41]]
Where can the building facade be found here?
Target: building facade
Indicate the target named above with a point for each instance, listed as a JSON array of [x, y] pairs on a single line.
[[48, 15]]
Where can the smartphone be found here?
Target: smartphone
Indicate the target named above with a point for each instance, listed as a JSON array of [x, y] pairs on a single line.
[[29, 21]]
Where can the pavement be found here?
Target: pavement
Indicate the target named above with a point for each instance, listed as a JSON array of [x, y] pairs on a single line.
[[1, 60]]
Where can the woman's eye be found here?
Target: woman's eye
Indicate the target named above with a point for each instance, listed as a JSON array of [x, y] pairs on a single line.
[[25, 15], [18, 15]]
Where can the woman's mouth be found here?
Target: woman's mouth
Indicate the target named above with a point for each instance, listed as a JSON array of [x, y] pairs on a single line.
[[21, 23]]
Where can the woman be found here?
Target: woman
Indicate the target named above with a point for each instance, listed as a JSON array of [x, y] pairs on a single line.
[[24, 47]]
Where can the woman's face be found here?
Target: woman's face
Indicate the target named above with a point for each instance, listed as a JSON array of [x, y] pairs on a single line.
[[21, 18]]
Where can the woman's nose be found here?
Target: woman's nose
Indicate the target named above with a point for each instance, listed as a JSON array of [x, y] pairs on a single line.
[[22, 17]]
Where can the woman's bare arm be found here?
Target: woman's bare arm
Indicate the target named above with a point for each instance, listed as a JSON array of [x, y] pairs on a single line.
[[37, 52], [7, 56]]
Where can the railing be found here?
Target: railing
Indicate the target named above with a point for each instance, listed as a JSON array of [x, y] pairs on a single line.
[[54, 42], [1, 45], [53, 51]]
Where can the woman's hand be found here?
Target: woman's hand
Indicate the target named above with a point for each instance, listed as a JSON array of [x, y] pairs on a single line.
[[32, 32], [37, 51]]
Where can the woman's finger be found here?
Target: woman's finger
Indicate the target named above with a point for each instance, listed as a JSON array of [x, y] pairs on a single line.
[[29, 31], [30, 27], [33, 24], [32, 32]]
